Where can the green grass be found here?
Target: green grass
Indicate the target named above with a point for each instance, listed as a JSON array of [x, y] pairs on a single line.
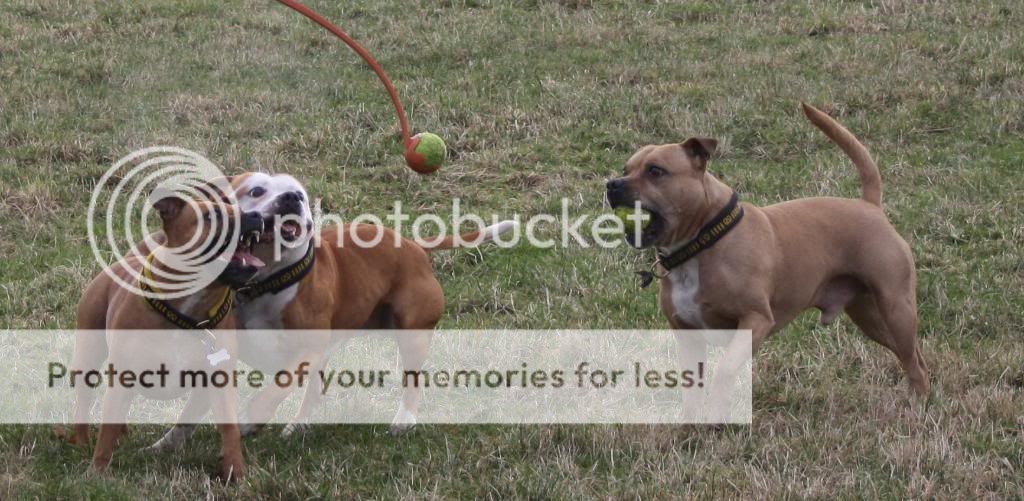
[[540, 100]]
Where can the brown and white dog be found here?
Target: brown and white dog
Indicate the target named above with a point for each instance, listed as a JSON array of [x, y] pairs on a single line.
[[110, 318], [771, 263], [350, 288]]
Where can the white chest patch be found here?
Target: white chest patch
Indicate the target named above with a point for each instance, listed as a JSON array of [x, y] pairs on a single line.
[[264, 312], [685, 282], [269, 347]]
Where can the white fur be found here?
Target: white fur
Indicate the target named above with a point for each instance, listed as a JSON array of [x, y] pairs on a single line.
[[266, 349], [404, 420], [175, 438], [294, 429], [492, 231], [685, 283], [274, 185]]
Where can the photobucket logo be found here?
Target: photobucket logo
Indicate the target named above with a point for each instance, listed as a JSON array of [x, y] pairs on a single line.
[[170, 181], [544, 231]]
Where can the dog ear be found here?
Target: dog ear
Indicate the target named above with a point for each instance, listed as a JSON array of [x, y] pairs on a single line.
[[700, 148], [168, 207]]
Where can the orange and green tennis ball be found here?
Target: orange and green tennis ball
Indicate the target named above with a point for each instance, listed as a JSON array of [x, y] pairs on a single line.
[[629, 224], [425, 152]]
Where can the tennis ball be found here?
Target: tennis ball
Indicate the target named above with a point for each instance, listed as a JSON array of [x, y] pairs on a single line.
[[425, 153], [628, 223]]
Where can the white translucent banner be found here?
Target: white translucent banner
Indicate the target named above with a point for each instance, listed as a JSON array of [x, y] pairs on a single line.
[[403, 377]]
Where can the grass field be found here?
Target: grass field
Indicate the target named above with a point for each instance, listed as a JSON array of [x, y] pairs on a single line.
[[541, 100]]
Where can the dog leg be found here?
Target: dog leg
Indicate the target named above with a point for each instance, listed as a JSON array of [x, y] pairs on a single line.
[[90, 352], [413, 347], [896, 314], [310, 400], [116, 403], [416, 307], [225, 413], [737, 353], [691, 349], [866, 315], [264, 404]]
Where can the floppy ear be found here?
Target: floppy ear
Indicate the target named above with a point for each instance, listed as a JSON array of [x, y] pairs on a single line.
[[168, 207], [700, 148]]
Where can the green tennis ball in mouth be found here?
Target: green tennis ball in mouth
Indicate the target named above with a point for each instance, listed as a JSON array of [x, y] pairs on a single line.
[[628, 223]]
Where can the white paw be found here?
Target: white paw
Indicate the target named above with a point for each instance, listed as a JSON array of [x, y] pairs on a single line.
[[292, 429], [175, 438], [399, 429], [403, 422], [249, 429]]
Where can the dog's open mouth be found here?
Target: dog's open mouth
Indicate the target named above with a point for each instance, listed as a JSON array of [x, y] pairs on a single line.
[[243, 256], [650, 232], [242, 265], [289, 230]]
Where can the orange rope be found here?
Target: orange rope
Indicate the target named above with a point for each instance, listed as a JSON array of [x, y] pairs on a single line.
[[305, 11]]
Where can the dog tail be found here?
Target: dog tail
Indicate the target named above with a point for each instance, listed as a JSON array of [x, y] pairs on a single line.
[[471, 239], [870, 179]]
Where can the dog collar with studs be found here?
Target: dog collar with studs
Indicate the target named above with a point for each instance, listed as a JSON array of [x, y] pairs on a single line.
[[709, 234]]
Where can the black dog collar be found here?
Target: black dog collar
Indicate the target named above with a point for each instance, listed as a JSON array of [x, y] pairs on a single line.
[[282, 279], [176, 317], [708, 235]]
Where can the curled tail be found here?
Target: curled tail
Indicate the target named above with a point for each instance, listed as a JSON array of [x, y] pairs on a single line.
[[870, 179], [471, 239]]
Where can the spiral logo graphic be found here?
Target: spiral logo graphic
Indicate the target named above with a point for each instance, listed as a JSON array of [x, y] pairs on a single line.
[[190, 194]]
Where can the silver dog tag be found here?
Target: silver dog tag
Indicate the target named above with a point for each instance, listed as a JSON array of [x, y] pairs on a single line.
[[218, 356]]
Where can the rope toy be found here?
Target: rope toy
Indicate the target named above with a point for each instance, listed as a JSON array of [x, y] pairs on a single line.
[[424, 152]]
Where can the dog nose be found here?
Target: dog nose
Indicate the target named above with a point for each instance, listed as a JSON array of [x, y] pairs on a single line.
[[289, 203], [251, 222], [615, 184]]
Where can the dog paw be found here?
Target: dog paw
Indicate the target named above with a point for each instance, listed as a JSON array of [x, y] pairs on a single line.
[[403, 421], [249, 429], [154, 448], [293, 429], [174, 439], [397, 429]]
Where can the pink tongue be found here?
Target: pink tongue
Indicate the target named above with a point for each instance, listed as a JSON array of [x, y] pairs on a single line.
[[247, 259]]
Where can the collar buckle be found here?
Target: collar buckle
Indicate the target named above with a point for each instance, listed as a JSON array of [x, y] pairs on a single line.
[[659, 274]]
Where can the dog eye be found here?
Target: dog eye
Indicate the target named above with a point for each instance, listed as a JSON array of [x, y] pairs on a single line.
[[257, 192], [656, 171]]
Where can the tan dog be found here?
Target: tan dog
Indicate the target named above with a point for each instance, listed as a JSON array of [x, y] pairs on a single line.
[[771, 263], [106, 306], [348, 287]]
